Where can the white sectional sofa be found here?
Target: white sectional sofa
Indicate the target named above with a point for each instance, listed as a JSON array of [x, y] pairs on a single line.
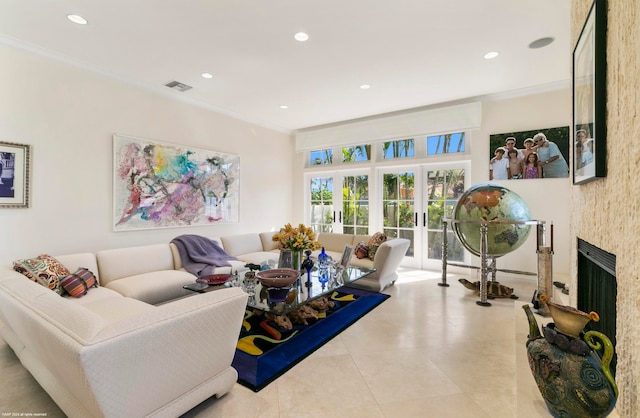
[[386, 261], [136, 345], [108, 355]]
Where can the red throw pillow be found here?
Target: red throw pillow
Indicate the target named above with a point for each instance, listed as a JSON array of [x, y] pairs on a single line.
[[362, 250], [77, 284]]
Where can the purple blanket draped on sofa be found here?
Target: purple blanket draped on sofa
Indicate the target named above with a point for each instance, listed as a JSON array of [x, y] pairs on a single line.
[[201, 255]]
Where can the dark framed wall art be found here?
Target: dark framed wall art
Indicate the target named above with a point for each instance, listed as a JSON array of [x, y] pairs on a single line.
[[15, 172], [589, 97]]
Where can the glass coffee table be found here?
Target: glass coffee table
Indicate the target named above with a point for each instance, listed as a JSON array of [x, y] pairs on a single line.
[[280, 301]]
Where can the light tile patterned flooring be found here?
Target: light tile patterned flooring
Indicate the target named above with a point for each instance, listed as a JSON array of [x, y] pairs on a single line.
[[427, 351]]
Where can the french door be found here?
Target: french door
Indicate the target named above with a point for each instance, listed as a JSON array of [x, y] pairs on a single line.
[[404, 202], [339, 202], [415, 200], [441, 189]]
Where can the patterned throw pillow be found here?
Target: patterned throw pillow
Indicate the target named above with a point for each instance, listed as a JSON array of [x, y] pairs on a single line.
[[375, 241], [77, 284], [362, 250], [43, 270]]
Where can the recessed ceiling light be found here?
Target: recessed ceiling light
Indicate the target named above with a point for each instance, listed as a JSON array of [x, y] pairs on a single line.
[[301, 37], [207, 75], [284, 107], [541, 43], [77, 19], [491, 55], [365, 86]]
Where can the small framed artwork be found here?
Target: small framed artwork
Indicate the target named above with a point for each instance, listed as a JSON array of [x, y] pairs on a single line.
[[346, 256], [589, 97], [285, 260], [15, 170]]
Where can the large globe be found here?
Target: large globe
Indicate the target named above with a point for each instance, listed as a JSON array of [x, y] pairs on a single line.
[[491, 202]]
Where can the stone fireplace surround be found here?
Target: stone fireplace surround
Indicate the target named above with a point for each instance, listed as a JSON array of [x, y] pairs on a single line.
[[605, 212]]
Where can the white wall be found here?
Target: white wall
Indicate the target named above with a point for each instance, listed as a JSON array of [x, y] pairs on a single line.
[[68, 116], [548, 199]]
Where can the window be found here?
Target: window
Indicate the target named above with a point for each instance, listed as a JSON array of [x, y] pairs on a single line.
[[322, 204], [355, 205], [398, 206], [445, 144], [444, 188], [402, 148], [356, 153], [321, 157]]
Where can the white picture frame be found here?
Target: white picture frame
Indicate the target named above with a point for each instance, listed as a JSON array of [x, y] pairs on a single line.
[[346, 256]]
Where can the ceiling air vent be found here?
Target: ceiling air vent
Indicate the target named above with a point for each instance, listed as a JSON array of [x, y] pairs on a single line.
[[176, 85]]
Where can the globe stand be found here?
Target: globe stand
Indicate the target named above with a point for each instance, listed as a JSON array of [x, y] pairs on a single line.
[[445, 248], [487, 262]]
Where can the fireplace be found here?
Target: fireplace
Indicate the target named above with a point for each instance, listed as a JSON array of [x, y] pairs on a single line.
[[597, 289]]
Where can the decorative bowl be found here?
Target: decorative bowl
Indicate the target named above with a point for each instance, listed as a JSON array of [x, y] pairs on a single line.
[[215, 279], [277, 277]]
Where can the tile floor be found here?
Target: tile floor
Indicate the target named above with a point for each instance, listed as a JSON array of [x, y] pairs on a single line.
[[427, 351]]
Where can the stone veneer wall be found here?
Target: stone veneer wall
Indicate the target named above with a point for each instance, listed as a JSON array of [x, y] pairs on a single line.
[[605, 212]]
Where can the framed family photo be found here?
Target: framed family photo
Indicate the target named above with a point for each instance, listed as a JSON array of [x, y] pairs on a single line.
[[15, 173], [550, 145], [589, 97]]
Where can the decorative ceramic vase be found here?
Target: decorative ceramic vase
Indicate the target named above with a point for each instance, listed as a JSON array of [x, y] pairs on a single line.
[[573, 380]]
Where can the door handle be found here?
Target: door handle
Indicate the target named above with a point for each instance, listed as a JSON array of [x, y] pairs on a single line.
[[416, 219], [334, 216], [340, 216], [424, 219]]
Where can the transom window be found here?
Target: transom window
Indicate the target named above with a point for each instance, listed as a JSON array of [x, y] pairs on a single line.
[[321, 157], [356, 153], [445, 144], [401, 148]]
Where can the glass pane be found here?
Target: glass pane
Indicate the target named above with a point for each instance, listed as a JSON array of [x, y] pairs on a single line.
[[435, 212], [408, 234], [316, 213], [407, 214], [347, 213], [362, 188], [434, 250], [362, 231], [455, 184], [347, 229], [406, 186], [402, 148], [326, 228], [356, 153], [445, 144], [435, 184], [390, 233], [362, 214], [390, 186], [390, 214], [321, 203], [321, 157], [327, 214], [455, 251]]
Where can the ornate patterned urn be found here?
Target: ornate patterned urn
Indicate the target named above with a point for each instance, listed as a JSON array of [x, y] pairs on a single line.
[[573, 380]]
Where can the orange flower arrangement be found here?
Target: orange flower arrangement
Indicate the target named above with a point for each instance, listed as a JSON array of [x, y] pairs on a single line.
[[296, 239]]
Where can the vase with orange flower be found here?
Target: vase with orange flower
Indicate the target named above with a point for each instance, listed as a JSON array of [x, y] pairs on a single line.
[[297, 240]]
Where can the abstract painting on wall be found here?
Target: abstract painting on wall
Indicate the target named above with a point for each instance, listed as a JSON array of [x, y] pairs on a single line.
[[159, 185]]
